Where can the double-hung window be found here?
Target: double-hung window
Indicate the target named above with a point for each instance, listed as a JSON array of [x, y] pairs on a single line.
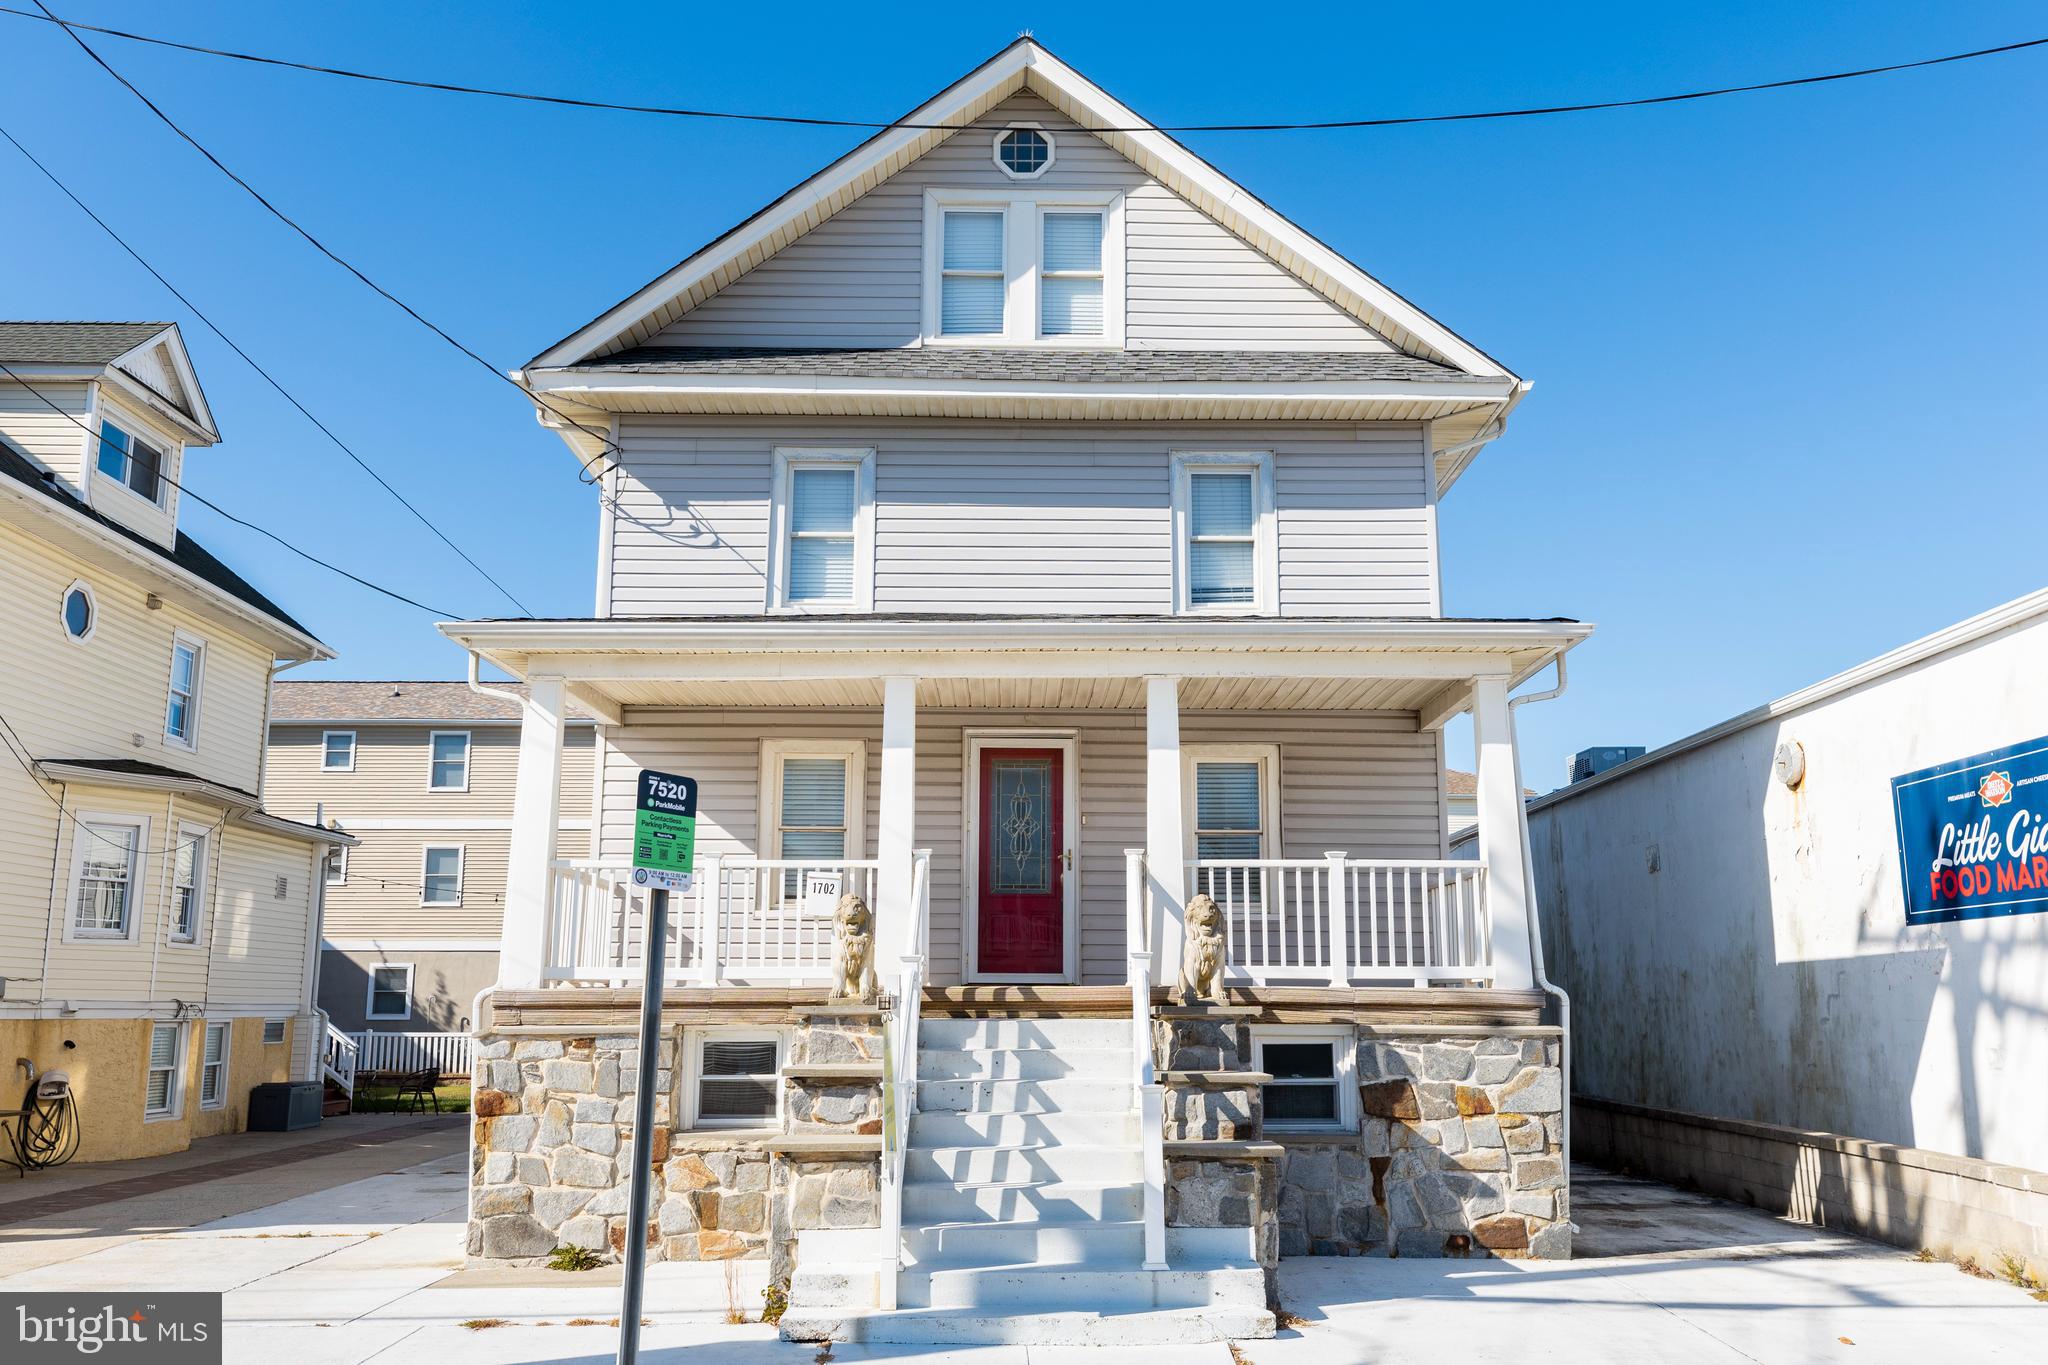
[[188, 878], [1311, 1070], [188, 670], [441, 875], [337, 865], [390, 991], [107, 865], [132, 461], [448, 761], [338, 751], [824, 509], [811, 802], [1070, 274], [213, 1067], [160, 1087], [1232, 799], [1222, 513], [972, 279], [738, 1074]]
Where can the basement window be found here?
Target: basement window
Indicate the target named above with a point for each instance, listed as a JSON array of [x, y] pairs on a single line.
[[1312, 1089], [735, 1078]]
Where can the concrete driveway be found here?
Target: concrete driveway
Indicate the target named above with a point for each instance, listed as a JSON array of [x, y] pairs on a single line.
[[370, 1269]]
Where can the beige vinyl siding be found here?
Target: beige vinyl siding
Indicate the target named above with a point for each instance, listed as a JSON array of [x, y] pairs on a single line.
[[51, 438], [391, 770], [115, 499], [1365, 783], [259, 938], [381, 898], [856, 280], [994, 517]]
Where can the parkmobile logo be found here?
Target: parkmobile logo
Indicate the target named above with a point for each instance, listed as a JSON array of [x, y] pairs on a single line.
[[1996, 789]]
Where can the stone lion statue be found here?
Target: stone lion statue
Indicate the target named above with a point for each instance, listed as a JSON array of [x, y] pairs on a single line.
[[853, 951], [1201, 954]]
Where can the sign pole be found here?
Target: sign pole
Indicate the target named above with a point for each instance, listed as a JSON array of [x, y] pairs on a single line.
[[653, 954], [664, 849]]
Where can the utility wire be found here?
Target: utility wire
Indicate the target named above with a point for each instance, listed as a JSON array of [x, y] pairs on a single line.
[[449, 87], [328, 251], [268, 377], [18, 750], [239, 521]]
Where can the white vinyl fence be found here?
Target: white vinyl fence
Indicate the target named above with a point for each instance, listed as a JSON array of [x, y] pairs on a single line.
[[447, 1052]]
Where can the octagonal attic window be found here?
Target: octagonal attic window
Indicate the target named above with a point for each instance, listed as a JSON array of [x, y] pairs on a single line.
[[79, 614], [1023, 153]]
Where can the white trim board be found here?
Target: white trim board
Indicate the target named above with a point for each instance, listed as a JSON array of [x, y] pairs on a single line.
[[970, 848]]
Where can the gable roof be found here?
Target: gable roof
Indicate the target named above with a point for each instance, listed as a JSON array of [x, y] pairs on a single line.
[[1024, 64], [74, 343], [149, 356]]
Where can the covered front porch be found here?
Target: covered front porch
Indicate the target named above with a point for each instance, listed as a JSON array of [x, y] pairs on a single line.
[[1031, 802]]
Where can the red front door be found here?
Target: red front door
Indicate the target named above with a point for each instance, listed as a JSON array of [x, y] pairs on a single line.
[[1021, 910]]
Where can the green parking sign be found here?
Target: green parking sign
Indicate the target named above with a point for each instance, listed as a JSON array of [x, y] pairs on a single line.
[[665, 831]]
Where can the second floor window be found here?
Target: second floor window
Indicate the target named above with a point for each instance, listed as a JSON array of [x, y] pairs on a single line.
[[188, 870], [132, 461], [181, 715], [971, 273], [337, 865], [1224, 559], [338, 751], [448, 761], [824, 504], [441, 876], [105, 899]]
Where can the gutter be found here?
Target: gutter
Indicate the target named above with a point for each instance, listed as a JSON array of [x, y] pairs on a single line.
[[476, 685]]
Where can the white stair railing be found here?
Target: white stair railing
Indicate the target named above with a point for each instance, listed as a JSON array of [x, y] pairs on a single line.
[[338, 1060], [1148, 1097], [899, 1071]]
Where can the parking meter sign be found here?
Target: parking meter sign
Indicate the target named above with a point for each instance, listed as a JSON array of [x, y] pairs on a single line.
[[665, 831]]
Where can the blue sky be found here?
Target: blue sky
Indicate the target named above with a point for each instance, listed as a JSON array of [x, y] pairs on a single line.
[[1788, 348]]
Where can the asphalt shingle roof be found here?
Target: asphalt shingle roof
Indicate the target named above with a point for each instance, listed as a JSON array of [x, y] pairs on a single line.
[[72, 343], [317, 700], [1047, 365], [185, 552]]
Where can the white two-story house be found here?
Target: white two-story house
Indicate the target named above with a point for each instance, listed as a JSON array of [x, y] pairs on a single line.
[[1026, 525]]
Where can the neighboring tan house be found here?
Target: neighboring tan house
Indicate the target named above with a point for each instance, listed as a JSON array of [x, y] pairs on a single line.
[[158, 927], [421, 773], [1027, 530]]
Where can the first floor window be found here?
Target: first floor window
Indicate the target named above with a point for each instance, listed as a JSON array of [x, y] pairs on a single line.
[[160, 1089], [738, 1076], [1310, 1071], [390, 991], [213, 1068], [441, 883], [338, 751], [813, 792], [1233, 815], [181, 716], [273, 1031], [188, 871], [107, 855]]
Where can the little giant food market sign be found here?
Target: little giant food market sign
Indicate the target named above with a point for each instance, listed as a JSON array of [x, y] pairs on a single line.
[[665, 831], [1973, 835]]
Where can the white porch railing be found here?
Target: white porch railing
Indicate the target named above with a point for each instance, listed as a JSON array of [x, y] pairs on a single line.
[[748, 920], [338, 1060], [899, 1071], [448, 1053], [1148, 1096], [1341, 921]]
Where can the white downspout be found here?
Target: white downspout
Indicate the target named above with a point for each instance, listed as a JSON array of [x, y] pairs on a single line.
[[476, 684], [1543, 981]]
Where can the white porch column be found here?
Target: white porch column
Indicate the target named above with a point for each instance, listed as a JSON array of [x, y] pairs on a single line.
[[536, 814], [1165, 834], [895, 937], [1500, 835]]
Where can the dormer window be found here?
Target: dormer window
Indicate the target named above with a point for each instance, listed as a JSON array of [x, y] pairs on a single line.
[[1024, 267], [131, 461], [1024, 153]]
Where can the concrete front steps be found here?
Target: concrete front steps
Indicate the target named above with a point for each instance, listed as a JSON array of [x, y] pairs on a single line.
[[1023, 1209]]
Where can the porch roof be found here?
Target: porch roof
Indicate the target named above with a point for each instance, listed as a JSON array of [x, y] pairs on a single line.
[[1425, 665]]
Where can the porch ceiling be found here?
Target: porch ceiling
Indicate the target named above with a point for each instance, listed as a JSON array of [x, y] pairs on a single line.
[[1036, 694]]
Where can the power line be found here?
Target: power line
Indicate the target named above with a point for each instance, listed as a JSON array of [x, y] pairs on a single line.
[[449, 87], [239, 521], [17, 748], [268, 378], [321, 246]]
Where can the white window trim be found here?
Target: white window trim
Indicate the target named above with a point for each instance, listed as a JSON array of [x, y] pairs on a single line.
[[461, 862], [1023, 244], [995, 150], [370, 989], [201, 887], [693, 1073], [1265, 531], [283, 1032], [789, 459], [1343, 1040], [174, 1094], [195, 708], [350, 766], [468, 755], [1267, 756], [227, 1043], [92, 602], [336, 873], [169, 453], [854, 751], [137, 879]]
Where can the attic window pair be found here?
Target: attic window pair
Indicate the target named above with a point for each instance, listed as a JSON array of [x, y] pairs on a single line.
[[1011, 267]]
